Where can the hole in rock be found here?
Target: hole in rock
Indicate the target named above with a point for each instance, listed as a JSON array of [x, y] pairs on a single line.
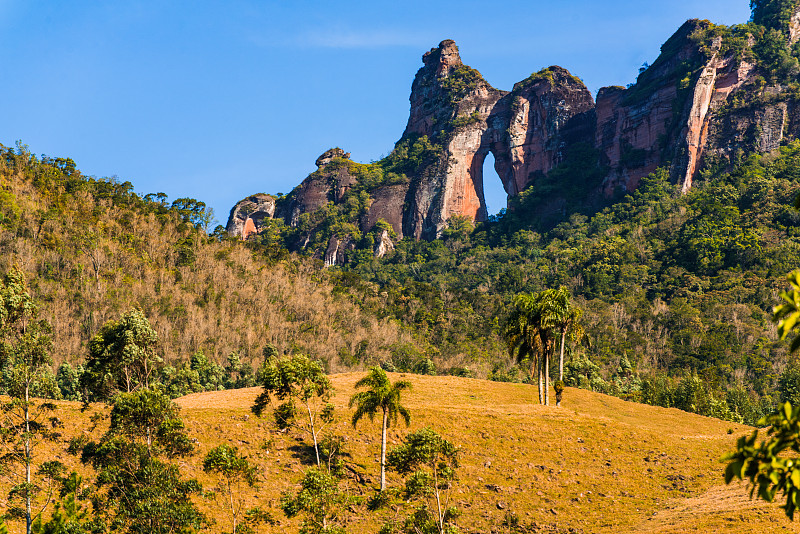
[[493, 192]]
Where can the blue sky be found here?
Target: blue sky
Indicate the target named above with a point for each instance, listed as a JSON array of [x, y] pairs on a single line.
[[218, 100]]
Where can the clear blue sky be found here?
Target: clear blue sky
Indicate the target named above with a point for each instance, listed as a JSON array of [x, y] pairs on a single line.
[[218, 100]]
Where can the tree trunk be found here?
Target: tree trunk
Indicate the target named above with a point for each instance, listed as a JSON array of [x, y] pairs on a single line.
[[383, 450], [547, 380], [28, 460], [539, 379], [313, 433], [561, 356], [438, 500], [233, 505]]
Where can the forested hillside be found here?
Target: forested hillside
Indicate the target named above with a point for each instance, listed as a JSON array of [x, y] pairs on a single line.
[[677, 289], [92, 249]]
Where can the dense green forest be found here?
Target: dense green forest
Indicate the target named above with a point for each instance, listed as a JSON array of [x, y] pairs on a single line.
[[677, 290]]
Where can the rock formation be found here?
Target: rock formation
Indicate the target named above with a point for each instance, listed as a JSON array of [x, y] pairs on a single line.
[[246, 216], [698, 100]]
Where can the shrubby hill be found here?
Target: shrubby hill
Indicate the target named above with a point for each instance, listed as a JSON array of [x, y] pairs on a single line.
[[92, 250]]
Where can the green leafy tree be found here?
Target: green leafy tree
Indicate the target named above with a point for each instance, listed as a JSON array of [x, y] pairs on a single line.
[[789, 384], [69, 515], [196, 375], [768, 466], [787, 314], [773, 13], [122, 357], [292, 380], [431, 461], [143, 490], [382, 396], [233, 471], [320, 501], [765, 465], [26, 422]]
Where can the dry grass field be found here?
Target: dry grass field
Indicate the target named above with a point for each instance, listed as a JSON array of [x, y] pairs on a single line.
[[595, 465]]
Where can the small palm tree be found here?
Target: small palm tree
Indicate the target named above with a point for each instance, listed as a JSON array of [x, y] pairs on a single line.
[[384, 396]]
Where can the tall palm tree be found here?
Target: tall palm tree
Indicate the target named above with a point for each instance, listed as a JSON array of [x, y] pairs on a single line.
[[528, 338], [384, 396], [531, 328], [560, 315]]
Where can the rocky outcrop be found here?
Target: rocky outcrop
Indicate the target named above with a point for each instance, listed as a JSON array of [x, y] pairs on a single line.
[[336, 253], [383, 244], [548, 112], [247, 215], [451, 104], [387, 204], [330, 155], [794, 26], [701, 100]]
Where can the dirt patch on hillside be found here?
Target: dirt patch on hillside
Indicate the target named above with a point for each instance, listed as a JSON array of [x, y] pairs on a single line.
[[718, 509]]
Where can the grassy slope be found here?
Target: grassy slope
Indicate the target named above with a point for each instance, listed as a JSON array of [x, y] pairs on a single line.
[[597, 464]]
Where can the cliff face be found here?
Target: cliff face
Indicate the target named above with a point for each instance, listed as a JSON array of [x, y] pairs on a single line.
[[546, 113], [701, 100], [247, 215], [451, 104]]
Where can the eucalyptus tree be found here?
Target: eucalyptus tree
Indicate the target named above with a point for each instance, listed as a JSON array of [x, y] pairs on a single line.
[[26, 423], [382, 396], [140, 488], [233, 470], [292, 380], [321, 502], [122, 358], [431, 461]]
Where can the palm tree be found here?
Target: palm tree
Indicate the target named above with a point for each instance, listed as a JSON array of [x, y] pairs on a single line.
[[528, 338], [531, 328], [384, 396], [552, 309], [562, 316]]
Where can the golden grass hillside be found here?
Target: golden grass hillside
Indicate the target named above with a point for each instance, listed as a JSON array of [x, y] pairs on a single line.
[[597, 464]]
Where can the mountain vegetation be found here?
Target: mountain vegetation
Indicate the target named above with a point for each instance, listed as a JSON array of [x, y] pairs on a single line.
[[113, 304], [92, 251]]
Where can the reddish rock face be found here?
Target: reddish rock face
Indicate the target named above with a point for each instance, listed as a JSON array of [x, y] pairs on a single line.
[[678, 114], [548, 112], [247, 215]]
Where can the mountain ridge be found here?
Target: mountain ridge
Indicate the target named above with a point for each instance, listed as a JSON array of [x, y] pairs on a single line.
[[707, 100]]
